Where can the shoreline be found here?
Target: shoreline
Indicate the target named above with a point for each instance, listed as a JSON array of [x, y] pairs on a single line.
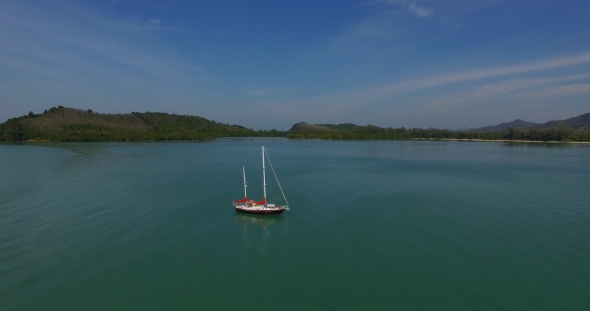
[[507, 140], [429, 139]]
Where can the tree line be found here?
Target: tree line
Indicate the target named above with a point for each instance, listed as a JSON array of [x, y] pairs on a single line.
[[67, 124], [371, 132]]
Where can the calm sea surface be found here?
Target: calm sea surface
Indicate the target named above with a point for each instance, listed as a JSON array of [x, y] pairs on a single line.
[[373, 225]]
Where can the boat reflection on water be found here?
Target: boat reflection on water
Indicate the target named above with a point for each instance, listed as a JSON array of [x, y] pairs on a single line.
[[260, 220], [253, 239]]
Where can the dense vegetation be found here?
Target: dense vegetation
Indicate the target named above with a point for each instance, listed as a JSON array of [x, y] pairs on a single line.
[[370, 132], [67, 124]]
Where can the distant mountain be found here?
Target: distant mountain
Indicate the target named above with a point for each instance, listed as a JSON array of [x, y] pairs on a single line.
[[340, 127], [518, 123], [581, 122], [306, 127]]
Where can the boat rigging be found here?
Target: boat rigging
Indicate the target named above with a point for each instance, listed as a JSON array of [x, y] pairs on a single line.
[[262, 207]]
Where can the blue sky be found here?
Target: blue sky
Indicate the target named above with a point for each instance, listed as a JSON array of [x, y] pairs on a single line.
[[270, 64]]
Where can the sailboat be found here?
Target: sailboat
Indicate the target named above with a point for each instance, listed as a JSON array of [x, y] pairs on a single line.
[[254, 207]]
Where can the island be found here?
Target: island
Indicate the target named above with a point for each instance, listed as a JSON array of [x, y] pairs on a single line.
[[70, 124]]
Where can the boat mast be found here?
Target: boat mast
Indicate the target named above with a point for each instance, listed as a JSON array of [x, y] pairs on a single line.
[[263, 177], [245, 185], [274, 173]]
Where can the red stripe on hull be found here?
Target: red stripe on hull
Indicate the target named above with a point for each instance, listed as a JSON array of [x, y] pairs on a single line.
[[260, 211]]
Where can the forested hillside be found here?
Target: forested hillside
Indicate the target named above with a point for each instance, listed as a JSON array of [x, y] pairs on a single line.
[[67, 124], [581, 122], [371, 132]]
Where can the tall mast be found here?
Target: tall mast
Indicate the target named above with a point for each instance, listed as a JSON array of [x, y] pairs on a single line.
[[244, 172], [263, 176], [278, 183]]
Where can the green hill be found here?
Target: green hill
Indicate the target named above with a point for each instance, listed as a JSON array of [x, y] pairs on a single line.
[[68, 124], [348, 131], [306, 127], [342, 127]]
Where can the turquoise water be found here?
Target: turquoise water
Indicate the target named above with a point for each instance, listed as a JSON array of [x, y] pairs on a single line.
[[373, 225]]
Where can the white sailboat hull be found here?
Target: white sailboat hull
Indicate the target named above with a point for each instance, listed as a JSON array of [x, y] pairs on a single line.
[[260, 209]]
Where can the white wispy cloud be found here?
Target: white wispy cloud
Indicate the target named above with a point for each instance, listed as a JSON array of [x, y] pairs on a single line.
[[474, 92], [510, 90], [141, 26], [425, 8], [556, 91], [57, 42], [419, 10], [394, 24], [515, 85], [83, 52], [412, 6], [450, 13], [154, 24], [398, 88]]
